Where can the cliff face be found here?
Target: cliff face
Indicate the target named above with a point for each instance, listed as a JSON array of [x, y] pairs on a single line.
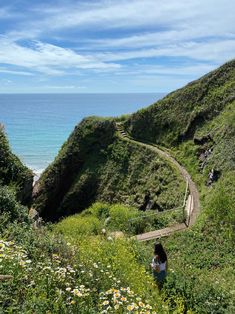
[[13, 173], [88, 140], [95, 164]]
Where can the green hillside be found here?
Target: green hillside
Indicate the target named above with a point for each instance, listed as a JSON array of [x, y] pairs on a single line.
[[95, 164], [178, 116], [13, 173]]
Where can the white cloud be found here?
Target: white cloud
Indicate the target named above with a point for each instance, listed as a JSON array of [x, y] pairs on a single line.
[[118, 38], [196, 69], [47, 58], [216, 51], [208, 17], [24, 73]]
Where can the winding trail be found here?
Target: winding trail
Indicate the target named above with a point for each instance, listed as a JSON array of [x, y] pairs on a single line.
[[193, 203]]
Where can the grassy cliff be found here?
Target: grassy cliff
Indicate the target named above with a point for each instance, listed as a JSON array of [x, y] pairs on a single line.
[[178, 116], [95, 164], [15, 186], [13, 173]]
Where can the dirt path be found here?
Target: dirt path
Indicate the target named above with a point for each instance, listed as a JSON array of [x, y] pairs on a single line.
[[193, 204]]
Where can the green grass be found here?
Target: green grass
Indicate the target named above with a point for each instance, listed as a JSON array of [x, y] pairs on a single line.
[[116, 217]]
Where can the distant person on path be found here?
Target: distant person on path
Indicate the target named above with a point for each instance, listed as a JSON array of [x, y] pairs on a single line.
[[159, 264]]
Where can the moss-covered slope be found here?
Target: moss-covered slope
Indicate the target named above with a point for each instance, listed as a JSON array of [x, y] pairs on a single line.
[[95, 164], [13, 173]]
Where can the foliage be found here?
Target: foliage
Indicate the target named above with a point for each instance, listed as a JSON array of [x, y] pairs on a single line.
[[221, 202], [91, 275], [77, 225], [10, 209], [13, 172], [117, 217], [201, 270]]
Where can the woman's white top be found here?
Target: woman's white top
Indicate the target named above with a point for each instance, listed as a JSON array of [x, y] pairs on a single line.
[[162, 266]]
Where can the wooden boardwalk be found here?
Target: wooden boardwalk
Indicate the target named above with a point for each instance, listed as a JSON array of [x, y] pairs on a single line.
[[192, 206]]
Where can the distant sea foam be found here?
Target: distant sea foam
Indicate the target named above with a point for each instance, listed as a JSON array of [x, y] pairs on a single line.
[[38, 124]]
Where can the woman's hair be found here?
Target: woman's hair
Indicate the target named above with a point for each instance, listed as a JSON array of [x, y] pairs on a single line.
[[158, 250]]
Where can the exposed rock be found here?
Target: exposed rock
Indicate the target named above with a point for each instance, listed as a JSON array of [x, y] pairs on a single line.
[[202, 140]]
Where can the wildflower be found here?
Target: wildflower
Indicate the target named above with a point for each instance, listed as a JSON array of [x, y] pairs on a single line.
[[123, 299], [116, 306], [77, 292], [117, 295], [106, 302], [141, 304], [130, 307], [149, 307], [28, 261]]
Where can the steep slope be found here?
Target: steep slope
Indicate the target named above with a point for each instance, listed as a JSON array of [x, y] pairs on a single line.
[[177, 117], [13, 173], [95, 164]]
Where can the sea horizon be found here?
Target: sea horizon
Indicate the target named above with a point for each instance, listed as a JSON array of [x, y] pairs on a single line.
[[37, 124]]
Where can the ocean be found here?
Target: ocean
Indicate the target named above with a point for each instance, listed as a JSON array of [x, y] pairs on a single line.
[[38, 124]]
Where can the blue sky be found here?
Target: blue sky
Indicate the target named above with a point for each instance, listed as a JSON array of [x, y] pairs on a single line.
[[111, 45]]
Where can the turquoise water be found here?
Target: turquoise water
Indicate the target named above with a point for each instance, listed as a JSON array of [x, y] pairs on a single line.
[[38, 124]]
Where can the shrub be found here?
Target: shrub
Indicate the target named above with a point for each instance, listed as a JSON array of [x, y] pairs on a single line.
[[78, 225], [10, 209], [99, 210], [120, 215]]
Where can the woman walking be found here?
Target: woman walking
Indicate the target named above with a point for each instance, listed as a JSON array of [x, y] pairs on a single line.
[[159, 264]]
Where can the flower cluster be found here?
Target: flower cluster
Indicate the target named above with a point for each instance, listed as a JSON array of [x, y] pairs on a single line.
[[76, 285], [12, 254], [123, 300]]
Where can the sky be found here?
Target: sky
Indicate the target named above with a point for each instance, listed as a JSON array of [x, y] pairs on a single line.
[[112, 46]]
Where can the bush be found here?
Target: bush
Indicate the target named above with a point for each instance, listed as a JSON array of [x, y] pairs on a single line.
[[10, 209], [78, 225], [120, 215], [99, 210]]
